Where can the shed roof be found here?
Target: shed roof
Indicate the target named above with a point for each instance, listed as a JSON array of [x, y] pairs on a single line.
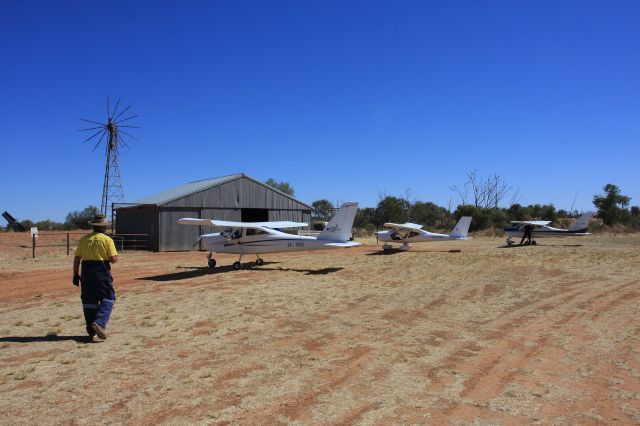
[[173, 194]]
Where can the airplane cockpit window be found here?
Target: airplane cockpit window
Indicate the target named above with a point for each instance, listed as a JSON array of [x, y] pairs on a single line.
[[252, 232], [412, 234], [236, 234], [227, 232]]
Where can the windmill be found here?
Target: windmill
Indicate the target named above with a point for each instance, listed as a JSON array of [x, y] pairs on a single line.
[[112, 187]]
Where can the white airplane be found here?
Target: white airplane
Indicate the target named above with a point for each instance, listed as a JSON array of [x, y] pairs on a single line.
[[407, 233], [541, 229], [263, 237]]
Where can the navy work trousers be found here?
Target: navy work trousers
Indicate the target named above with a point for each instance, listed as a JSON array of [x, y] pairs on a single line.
[[98, 298]]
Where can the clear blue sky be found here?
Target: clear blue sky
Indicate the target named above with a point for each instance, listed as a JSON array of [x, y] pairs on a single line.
[[345, 100]]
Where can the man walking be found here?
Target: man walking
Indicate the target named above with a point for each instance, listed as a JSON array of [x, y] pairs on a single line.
[[96, 252]]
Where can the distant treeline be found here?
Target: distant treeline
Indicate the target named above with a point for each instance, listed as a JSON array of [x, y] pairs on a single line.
[[74, 220], [612, 208]]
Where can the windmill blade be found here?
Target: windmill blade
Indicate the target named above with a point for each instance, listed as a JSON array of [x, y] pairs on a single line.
[[132, 127], [123, 111], [94, 135], [91, 128], [116, 108], [125, 119], [131, 136], [123, 143], [100, 140], [89, 121]]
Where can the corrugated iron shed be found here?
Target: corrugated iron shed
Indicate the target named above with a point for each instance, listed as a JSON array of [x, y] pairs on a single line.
[[236, 197]]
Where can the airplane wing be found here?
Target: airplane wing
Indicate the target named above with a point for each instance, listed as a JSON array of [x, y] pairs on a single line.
[[532, 222], [398, 226], [230, 224], [272, 225], [345, 244]]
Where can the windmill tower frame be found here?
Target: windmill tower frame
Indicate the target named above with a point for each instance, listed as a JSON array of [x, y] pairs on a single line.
[[112, 191]]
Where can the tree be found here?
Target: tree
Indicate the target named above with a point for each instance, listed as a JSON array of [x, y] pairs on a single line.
[[49, 225], [481, 218], [612, 206], [27, 224], [365, 219], [486, 193], [281, 186], [392, 209], [429, 214], [322, 210], [80, 219]]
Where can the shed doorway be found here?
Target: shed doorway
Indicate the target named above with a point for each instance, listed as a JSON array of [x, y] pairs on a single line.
[[254, 215]]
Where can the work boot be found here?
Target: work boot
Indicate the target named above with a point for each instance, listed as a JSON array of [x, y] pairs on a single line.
[[99, 331]]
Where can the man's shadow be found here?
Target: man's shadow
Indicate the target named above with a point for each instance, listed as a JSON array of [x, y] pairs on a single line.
[[34, 339]]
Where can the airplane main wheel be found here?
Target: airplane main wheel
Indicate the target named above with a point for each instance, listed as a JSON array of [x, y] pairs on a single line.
[[236, 266], [533, 242], [212, 263], [259, 262]]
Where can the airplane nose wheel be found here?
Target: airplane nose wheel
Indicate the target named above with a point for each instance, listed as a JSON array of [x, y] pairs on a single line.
[[236, 266], [210, 260], [259, 261]]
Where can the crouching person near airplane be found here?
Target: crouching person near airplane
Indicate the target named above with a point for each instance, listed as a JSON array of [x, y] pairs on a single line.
[[528, 230], [96, 252]]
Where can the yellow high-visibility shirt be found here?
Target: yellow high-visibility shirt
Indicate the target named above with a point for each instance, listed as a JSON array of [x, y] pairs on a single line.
[[96, 246]]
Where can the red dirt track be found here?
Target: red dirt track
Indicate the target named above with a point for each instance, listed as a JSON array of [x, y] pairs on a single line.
[[490, 335]]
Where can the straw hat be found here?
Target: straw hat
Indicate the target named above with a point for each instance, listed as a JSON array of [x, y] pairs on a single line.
[[100, 220]]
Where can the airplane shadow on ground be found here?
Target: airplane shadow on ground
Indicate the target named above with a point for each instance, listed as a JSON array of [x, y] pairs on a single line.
[[33, 339], [323, 271], [199, 271], [506, 246], [396, 251]]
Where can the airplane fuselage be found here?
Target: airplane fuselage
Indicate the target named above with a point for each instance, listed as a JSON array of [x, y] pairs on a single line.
[[413, 237], [271, 242], [543, 232]]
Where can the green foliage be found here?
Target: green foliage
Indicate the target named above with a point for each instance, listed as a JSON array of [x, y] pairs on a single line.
[[365, 219], [429, 214], [612, 206], [281, 186], [481, 218], [49, 225], [80, 219], [322, 210], [27, 224], [392, 209], [540, 211]]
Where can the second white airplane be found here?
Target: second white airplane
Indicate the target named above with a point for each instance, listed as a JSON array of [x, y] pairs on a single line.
[[408, 233], [263, 237]]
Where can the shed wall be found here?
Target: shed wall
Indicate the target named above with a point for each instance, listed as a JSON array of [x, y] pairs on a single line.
[[176, 237]]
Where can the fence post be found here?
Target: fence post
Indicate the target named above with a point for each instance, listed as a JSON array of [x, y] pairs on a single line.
[[33, 246], [67, 244]]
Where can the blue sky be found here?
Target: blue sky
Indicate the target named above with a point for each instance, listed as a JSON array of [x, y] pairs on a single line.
[[344, 100]]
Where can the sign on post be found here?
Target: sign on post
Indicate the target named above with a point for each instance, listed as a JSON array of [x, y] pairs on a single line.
[[34, 235]]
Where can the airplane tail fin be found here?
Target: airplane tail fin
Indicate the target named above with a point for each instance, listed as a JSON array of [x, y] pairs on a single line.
[[582, 223], [339, 228], [461, 229]]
